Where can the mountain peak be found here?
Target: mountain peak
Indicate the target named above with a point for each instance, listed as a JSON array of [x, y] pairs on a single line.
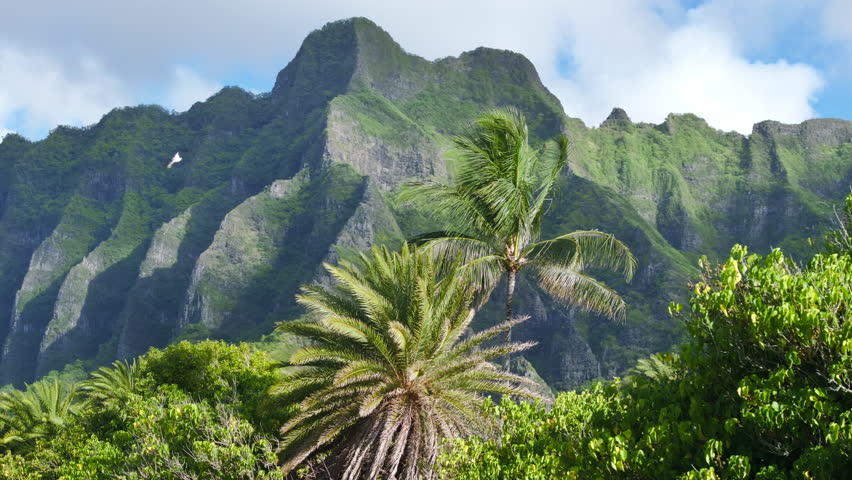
[[15, 138], [343, 54], [618, 118]]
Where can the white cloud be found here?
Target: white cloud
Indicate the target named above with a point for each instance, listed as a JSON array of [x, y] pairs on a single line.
[[650, 70], [755, 26], [42, 92], [650, 57], [187, 88]]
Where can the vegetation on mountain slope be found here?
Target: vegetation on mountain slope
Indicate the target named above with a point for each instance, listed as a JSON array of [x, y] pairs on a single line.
[[101, 246], [839, 239]]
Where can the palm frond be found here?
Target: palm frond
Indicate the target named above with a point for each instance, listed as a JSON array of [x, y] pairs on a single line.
[[461, 211], [575, 288], [45, 408], [110, 387], [555, 159], [585, 249], [483, 262], [367, 389], [660, 367]]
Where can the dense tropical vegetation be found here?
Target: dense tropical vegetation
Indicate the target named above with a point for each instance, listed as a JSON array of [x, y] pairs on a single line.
[[762, 389], [189, 411], [391, 381]]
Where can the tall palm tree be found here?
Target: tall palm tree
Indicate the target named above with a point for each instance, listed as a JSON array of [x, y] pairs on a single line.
[[111, 387], [41, 412], [389, 374], [495, 209]]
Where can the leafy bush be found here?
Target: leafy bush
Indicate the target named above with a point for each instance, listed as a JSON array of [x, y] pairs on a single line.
[[218, 372], [763, 389], [189, 411], [164, 436]]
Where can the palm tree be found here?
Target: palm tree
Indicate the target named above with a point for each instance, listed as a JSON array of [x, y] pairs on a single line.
[[389, 374], [111, 387], [839, 240], [495, 209], [41, 412], [659, 366]]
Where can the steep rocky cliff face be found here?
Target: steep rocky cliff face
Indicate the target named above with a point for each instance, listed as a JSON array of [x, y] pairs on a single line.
[[104, 252], [704, 189]]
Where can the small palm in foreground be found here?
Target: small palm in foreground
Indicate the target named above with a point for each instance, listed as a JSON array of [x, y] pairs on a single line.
[[389, 374], [495, 210], [111, 387], [40, 412]]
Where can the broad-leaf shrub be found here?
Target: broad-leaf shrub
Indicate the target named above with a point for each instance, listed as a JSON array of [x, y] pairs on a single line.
[[218, 372], [165, 436], [763, 389], [191, 413]]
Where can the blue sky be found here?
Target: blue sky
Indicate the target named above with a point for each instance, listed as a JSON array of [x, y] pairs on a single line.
[[732, 62]]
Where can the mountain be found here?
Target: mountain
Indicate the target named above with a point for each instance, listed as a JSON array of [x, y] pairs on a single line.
[[104, 252]]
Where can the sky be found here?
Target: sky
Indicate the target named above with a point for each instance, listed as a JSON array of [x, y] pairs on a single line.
[[732, 62]]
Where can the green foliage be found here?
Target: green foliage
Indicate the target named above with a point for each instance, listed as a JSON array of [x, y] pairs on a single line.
[[128, 422], [389, 372], [839, 240], [494, 212], [778, 341], [110, 387], [215, 371], [538, 443], [761, 390], [44, 409], [165, 435]]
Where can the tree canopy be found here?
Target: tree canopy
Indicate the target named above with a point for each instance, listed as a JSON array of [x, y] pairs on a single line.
[[763, 389]]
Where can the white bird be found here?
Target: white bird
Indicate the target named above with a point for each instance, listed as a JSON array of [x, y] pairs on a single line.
[[175, 160]]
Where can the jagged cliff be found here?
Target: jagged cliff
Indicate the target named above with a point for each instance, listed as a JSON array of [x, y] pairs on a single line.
[[104, 252]]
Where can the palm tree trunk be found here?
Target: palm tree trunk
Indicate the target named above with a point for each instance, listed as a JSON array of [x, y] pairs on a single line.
[[510, 295]]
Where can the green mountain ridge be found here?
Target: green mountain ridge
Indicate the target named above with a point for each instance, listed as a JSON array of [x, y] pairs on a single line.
[[104, 252]]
